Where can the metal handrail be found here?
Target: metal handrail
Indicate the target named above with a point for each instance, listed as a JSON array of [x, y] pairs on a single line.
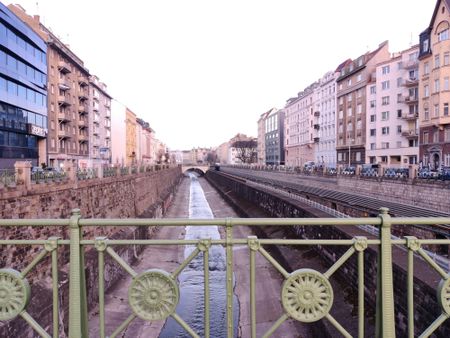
[[293, 286]]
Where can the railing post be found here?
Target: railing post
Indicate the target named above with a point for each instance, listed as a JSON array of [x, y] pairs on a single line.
[[229, 274], [385, 315], [77, 281]]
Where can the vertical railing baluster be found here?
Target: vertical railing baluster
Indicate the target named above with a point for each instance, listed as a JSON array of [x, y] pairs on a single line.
[[385, 291], [74, 276], [206, 291], [100, 245], [55, 288], [361, 294], [84, 309], [253, 247], [229, 256], [413, 245]]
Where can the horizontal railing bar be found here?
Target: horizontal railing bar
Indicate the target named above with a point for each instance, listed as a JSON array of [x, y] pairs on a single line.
[[234, 242], [31, 242], [222, 221], [38, 222], [433, 241], [233, 221]]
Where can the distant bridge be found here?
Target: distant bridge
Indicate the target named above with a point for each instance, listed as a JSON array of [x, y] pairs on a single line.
[[199, 168]]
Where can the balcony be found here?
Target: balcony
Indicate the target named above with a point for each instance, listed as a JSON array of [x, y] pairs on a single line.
[[316, 139], [83, 123], [411, 82], [83, 81], [83, 138], [64, 100], [410, 134], [410, 117], [316, 126], [317, 113], [83, 109], [82, 95], [64, 117], [411, 64], [63, 84], [63, 134], [411, 99], [63, 67]]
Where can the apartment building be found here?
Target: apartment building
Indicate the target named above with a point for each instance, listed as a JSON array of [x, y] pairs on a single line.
[[23, 94], [99, 105], [262, 136], [392, 99], [434, 89], [144, 141], [300, 134], [324, 121], [351, 105], [274, 137]]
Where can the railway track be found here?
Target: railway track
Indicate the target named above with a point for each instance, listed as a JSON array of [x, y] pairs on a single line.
[[357, 201]]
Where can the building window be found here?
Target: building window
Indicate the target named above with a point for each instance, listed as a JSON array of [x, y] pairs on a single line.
[[384, 116], [358, 156], [426, 68], [349, 98], [349, 111], [425, 137], [445, 109], [349, 82], [446, 58], [437, 61], [385, 85], [373, 132], [385, 70], [425, 46], [359, 109], [399, 113], [385, 100], [399, 82], [426, 91], [436, 86], [373, 118], [399, 98], [358, 78], [447, 160], [436, 110], [385, 130], [339, 156], [385, 145], [426, 114], [373, 90], [372, 146], [443, 35], [359, 93], [399, 129], [373, 103], [436, 137], [447, 134]]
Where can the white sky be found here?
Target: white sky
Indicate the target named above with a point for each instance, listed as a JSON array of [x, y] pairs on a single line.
[[200, 71]]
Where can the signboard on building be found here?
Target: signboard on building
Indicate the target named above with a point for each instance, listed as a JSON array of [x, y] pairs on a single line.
[[35, 130]]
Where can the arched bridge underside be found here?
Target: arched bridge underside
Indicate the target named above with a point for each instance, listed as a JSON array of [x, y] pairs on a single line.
[[200, 169]]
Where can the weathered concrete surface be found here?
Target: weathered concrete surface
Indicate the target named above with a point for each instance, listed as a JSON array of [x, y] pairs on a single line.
[[169, 257]]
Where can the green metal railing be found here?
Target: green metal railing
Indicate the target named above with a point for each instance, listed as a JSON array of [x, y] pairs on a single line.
[[306, 295]]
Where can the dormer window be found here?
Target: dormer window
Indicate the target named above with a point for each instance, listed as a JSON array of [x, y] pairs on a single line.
[[425, 45]]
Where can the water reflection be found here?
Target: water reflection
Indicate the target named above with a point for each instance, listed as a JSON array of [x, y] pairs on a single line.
[[191, 306]]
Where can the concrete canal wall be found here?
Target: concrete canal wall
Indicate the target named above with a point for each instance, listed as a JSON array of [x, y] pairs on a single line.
[[426, 307], [145, 194]]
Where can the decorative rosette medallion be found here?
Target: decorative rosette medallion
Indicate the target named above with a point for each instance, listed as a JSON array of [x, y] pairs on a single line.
[[14, 294], [307, 295], [153, 295], [444, 295]]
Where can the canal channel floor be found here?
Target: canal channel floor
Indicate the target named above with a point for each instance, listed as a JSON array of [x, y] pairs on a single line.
[[168, 258]]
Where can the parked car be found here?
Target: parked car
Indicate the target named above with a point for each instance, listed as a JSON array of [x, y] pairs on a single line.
[[349, 171], [369, 170], [444, 174], [427, 173]]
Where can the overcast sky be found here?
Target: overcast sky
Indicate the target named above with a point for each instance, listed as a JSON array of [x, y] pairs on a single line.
[[200, 71]]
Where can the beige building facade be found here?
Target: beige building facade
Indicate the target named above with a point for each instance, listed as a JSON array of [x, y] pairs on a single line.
[[352, 105], [434, 89]]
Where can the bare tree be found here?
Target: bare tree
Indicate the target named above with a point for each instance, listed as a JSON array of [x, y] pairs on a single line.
[[211, 157], [246, 150]]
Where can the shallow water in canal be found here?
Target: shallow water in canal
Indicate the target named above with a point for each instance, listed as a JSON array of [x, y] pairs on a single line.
[[191, 280]]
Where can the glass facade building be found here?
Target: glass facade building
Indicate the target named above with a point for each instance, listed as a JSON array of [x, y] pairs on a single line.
[[23, 92]]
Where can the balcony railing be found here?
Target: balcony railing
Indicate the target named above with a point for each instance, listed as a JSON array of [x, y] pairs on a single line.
[[63, 67], [306, 295]]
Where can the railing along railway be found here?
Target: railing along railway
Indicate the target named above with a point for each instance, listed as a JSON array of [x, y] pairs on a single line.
[[306, 295]]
